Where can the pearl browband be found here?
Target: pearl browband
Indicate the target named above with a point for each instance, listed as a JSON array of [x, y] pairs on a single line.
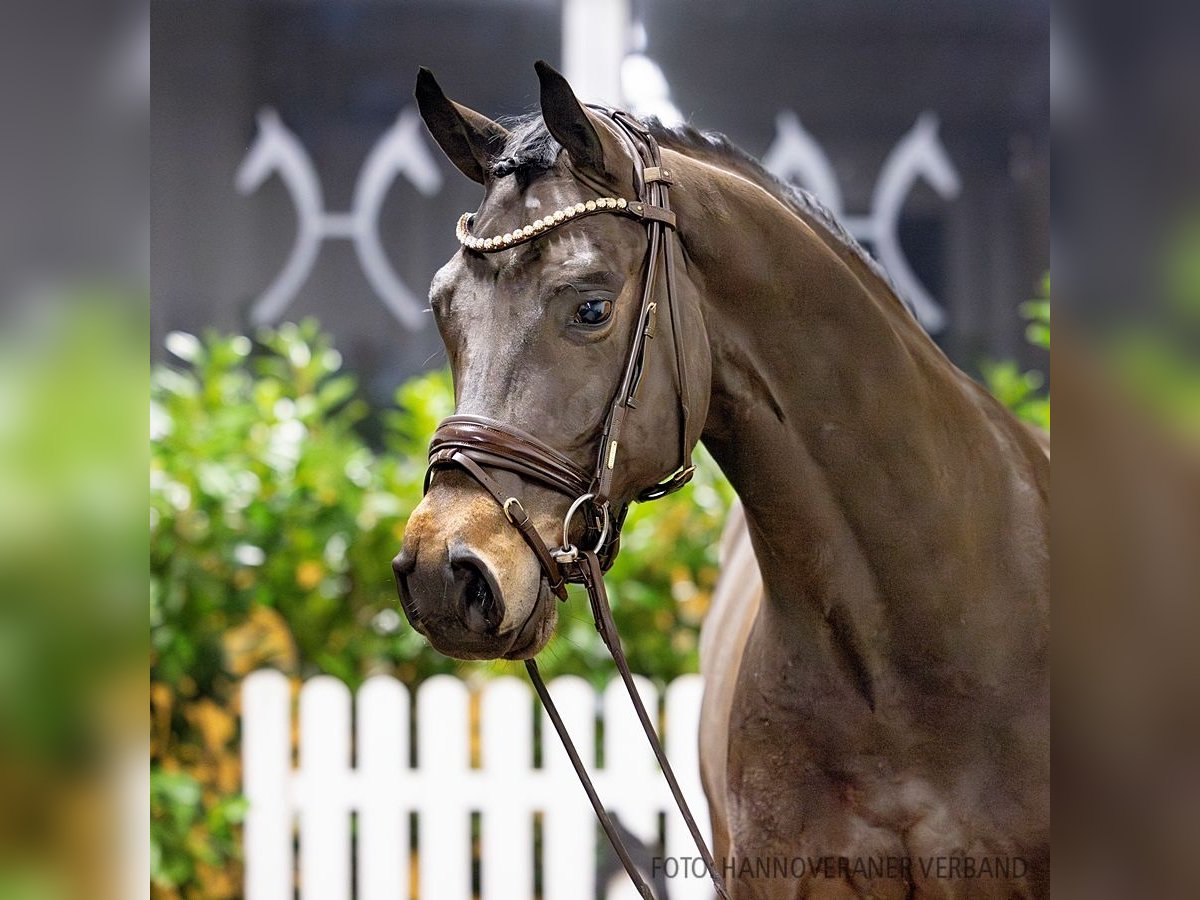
[[632, 208]]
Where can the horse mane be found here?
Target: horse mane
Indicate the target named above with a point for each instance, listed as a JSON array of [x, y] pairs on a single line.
[[531, 150]]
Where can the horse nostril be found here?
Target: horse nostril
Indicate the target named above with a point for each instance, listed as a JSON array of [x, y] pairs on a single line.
[[483, 608], [479, 594]]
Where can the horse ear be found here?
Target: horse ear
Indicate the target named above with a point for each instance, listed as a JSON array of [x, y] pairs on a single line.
[[571, 124], [470, 139]]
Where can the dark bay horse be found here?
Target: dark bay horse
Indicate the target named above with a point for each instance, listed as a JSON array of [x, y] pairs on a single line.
[[879, 709]]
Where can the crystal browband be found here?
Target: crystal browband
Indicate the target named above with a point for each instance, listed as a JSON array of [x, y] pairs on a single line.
[[632, 208]]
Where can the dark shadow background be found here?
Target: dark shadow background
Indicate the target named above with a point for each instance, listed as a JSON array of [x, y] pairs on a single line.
[[856, 74]]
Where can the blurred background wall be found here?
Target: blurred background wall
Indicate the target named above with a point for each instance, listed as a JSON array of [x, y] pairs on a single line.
[[856, 76]]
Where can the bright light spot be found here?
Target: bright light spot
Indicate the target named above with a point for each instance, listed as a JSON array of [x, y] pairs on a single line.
[[249, 555], [386, 621], [178, 495], [646, 90], [185, 346]]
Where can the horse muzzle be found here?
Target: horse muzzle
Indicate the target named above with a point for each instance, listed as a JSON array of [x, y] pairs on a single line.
[[468, 584]]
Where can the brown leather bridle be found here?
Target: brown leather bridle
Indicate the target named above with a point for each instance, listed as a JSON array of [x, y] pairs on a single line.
[[476, 444]]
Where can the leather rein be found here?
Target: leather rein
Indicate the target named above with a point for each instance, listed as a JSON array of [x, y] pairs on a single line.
[[476, 445]]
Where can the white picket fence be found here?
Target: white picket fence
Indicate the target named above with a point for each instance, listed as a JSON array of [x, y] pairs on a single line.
[[365, 772]]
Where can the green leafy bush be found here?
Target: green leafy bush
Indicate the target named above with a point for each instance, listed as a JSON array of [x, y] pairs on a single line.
[[1022, 392]]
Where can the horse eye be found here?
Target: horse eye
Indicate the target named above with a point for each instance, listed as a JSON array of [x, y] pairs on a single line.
[[594, 312]]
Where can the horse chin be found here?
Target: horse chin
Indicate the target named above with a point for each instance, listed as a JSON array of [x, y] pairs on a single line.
[[538, 628]]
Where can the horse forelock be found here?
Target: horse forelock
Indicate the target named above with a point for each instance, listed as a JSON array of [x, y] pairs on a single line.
[[529, 150]]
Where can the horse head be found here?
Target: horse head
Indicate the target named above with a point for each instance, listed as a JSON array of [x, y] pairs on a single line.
[[795, 155], [265, 155], [277, 149], [400, 151], [921, 152], [538, 336]]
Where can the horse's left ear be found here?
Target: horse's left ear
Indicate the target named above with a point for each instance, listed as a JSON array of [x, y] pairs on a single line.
[[590, 145]]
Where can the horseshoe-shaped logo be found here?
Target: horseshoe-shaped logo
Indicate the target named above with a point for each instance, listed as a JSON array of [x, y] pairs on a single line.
[[401, 150], [795, 155]]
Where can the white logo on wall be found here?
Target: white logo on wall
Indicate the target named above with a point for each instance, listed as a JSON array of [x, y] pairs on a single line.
[[795, 155], [400, 151]]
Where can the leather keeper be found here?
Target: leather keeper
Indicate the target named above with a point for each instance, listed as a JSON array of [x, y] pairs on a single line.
[[654, 214]]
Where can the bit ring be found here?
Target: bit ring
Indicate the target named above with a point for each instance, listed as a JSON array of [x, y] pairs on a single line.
[[574, 508]]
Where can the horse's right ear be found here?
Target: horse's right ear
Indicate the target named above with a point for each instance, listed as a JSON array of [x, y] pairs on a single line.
[[470, 139]]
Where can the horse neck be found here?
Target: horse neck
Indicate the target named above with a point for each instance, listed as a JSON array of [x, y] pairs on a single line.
[[859, 452]]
